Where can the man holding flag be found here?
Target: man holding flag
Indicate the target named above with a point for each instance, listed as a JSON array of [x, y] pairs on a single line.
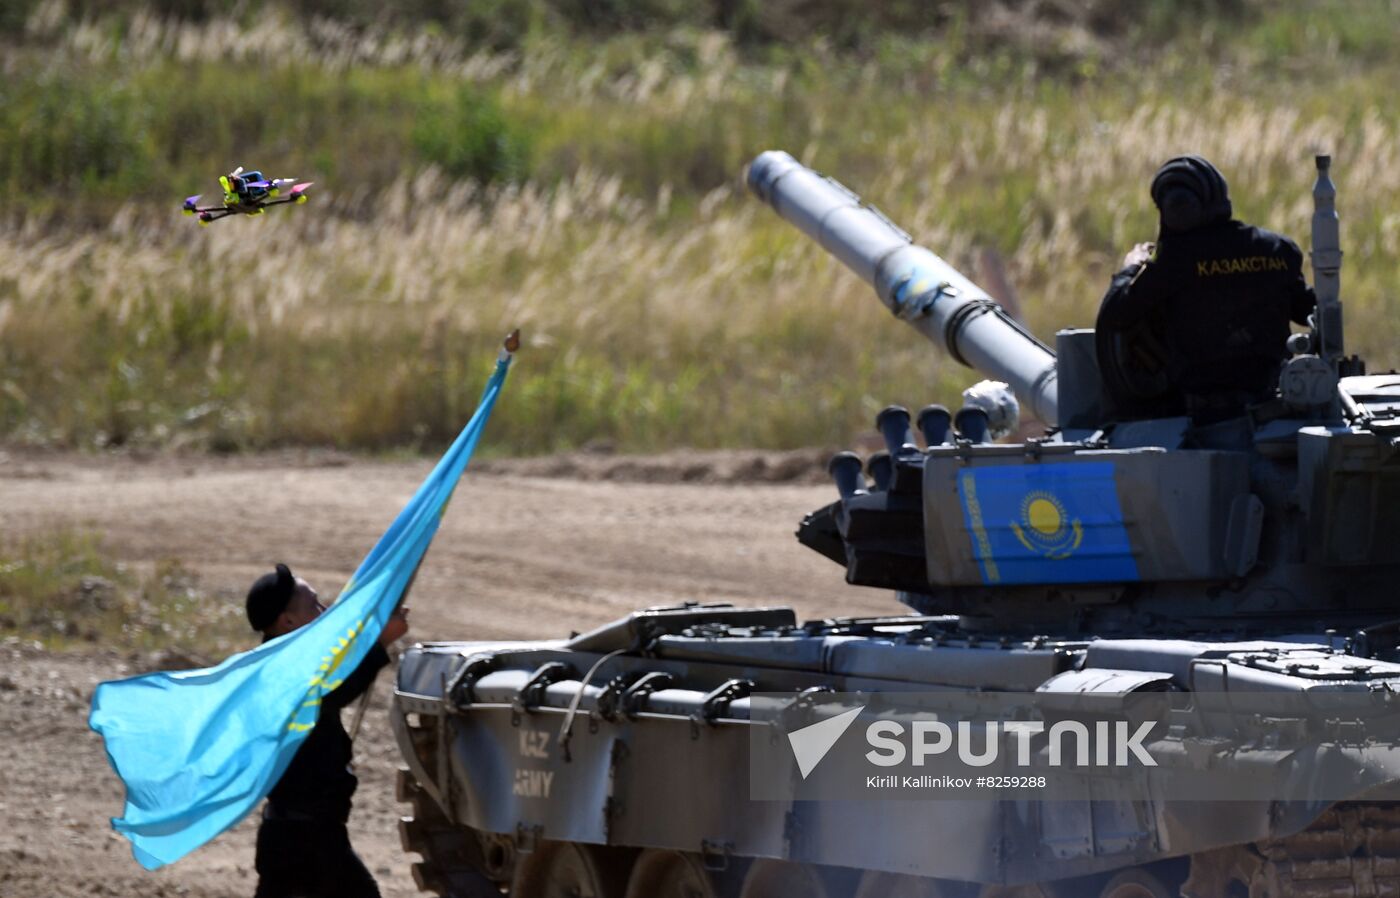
[[303, 845], [198, 749]]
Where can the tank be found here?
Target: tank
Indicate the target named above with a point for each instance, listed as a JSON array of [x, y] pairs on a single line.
[[1236, 579]]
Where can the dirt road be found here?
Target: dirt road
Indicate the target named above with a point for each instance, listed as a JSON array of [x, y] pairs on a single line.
[[521, 553]]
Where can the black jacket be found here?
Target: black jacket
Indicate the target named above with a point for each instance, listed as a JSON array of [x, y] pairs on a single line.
[[318, 783], [1219, 298]]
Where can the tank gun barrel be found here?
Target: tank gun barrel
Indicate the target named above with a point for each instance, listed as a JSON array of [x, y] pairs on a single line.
[[914, 283]]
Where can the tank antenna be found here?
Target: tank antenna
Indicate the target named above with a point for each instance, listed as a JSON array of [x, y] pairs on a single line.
[[1327, 267]]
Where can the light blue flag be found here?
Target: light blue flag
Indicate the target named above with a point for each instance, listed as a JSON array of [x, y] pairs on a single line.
[[199, 749]]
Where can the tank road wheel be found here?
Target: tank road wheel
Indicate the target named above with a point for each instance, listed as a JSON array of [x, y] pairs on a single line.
[[659, 873], [1138, 883], [455, 862], [875, 884], [569, 870], [768, 878]]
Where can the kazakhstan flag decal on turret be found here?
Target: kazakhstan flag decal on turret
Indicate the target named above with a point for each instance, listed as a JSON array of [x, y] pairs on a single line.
[[1047, 523]]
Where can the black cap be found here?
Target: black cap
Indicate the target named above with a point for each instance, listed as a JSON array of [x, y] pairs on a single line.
[[1190, 192], [269, 596]]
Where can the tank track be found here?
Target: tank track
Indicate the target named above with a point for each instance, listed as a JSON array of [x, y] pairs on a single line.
[[1351, 851], [453, 856]]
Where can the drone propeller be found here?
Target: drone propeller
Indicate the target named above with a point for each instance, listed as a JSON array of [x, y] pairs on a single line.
[[236, 172], [190, 203]]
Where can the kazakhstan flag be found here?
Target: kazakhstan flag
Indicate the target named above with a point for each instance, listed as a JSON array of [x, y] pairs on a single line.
[[199, 749]]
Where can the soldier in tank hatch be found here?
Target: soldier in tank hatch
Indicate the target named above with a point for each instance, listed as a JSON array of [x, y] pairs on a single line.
[[1199, 322]]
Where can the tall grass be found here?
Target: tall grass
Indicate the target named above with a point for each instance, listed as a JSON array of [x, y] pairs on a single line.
[[606, 216]]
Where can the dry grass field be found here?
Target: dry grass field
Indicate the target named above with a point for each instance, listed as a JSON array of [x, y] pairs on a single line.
[[589, 189]]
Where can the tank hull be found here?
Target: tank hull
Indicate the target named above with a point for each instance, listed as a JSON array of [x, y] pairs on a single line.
[[481, 725]]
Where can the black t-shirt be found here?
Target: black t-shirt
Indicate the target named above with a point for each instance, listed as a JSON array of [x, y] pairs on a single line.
[[318, 782], [1220, 297]]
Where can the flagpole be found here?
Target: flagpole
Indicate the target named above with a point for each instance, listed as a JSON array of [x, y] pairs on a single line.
[[508, 349]]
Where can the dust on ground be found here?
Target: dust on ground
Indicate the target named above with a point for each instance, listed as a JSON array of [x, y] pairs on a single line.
[[532, 548]]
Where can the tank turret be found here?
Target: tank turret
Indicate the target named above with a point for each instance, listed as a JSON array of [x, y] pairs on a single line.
[[1111, 525]]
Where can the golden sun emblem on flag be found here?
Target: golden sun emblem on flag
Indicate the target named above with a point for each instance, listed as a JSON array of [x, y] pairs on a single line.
[[1045, 526], [325, 680]]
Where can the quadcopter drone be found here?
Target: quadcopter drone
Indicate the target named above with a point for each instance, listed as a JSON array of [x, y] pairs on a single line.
[[247, 193]]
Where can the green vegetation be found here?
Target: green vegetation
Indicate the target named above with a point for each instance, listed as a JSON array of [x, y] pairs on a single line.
[[575, 168], [63, 589]]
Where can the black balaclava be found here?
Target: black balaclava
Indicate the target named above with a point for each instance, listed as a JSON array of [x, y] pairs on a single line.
[[1190, 192], [269, 596]]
